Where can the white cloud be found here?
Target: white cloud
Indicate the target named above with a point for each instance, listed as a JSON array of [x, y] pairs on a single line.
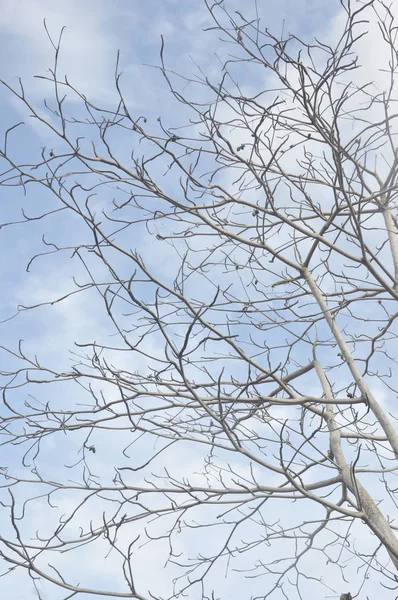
[[88, 48]]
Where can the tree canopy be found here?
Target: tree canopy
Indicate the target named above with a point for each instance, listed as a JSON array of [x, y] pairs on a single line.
[[232, 422]]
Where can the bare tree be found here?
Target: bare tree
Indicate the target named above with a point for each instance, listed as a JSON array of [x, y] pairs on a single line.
[[246, 259]]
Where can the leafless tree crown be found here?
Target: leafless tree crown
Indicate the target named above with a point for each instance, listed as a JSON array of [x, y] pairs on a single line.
[[234, 418]]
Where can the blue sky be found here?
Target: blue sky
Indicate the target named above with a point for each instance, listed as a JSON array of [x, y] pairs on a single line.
[[95, 30]]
